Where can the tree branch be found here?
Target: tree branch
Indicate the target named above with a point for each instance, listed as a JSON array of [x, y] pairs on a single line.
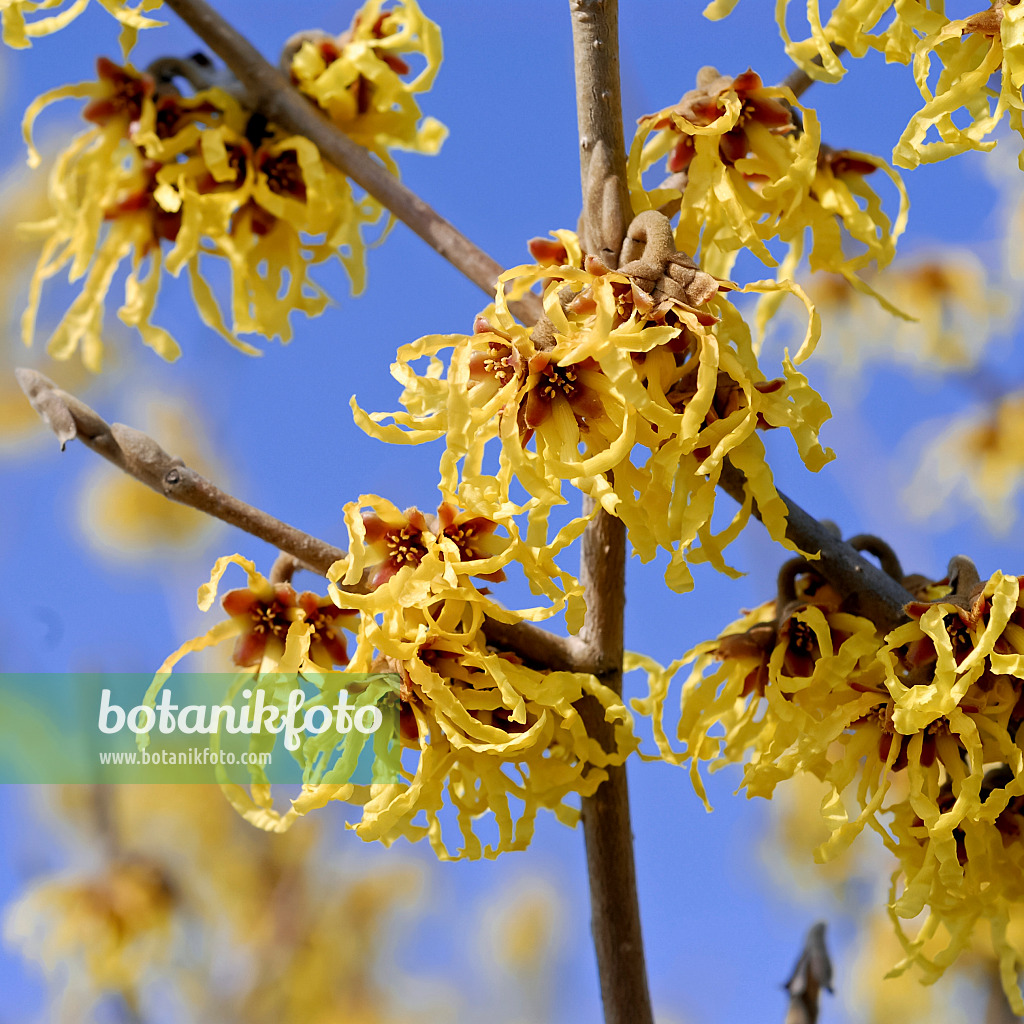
[[274, 96], [141, 457], [813, 972], [872, 592], [615, 922], [138, 455], [541, 647]]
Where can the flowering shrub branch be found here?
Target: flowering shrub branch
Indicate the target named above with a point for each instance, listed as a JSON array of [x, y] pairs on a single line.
[[270, 92], [611, 365]]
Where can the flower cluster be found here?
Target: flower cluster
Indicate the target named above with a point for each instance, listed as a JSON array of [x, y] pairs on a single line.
[[19, 30], [902, 730], [635, 388], [360, 78], [970, 50], [939, 312], [112, 928], [975, 459], [274, 628], [167, 182], [746, 168], [496, 734]]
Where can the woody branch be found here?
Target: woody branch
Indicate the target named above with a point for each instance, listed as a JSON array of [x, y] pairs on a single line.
[[140, 456], [615, 910]]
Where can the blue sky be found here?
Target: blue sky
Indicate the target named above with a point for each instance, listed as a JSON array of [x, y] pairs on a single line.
[[720, 938]]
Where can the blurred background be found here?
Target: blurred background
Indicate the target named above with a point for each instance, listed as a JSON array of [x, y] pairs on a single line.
[[117, 892]]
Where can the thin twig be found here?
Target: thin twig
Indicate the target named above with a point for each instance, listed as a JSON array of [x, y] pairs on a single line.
[[141, 457], [871, 592], [813, 972], [138, 455], [615, 910], [274, 96]]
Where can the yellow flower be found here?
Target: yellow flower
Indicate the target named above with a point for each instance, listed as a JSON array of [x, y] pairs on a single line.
[[851, 24], [875, 996], [276, 630], [498, 737], [202, 175], [614, 372], [22, 195], [971, 50], [111, 928], [964, 890], [19, 30], [940, 699], [977, 459], [774, 694], [122, 517], [361, 78], [744, 171], [953, 306]]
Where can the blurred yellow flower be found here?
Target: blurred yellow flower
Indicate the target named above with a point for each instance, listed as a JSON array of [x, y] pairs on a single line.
[[874, 996], [745, 168], [612, 371], [954, 307], [20, 28], [108, 930], [124, 518], [975, 461], [22, 195], [291, 928]]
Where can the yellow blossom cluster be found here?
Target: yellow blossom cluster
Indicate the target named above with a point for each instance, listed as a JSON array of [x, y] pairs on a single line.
[[902, 730], [975, 460], [970, 50], [361, 78], [110, 928], [166, 182], [627, 390], [949, 309], [746, 165], [21, 26], [496, 735]]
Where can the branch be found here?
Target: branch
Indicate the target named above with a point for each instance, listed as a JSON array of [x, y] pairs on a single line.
[[813, 972], [872, 592], [274, 96], [615, 910], [138, 455], [541, 647]]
